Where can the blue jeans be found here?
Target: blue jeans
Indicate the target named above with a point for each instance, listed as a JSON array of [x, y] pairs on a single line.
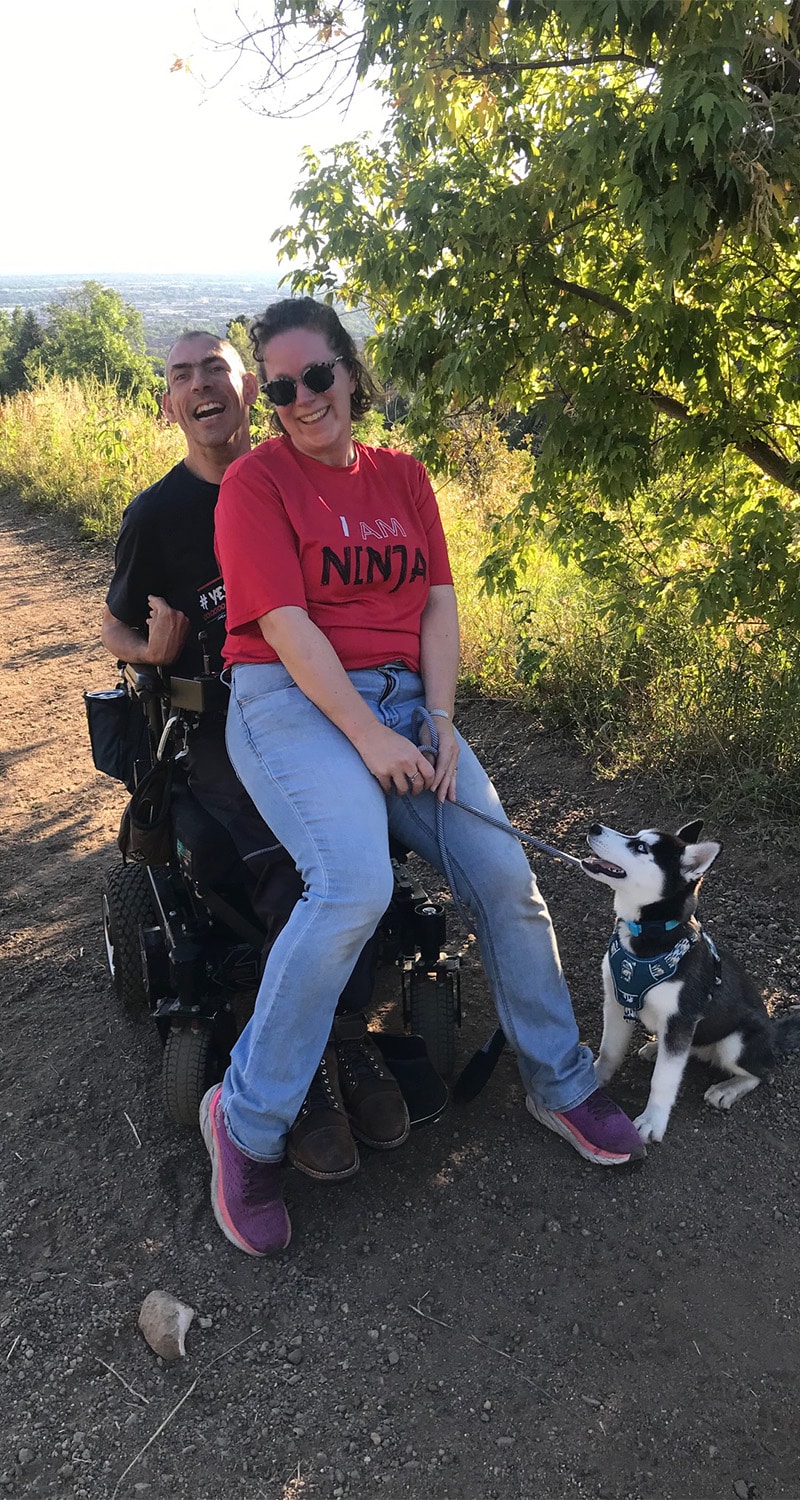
[[312, 788]]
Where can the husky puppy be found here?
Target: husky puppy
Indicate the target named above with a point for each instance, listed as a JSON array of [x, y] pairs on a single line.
[[663, 970]]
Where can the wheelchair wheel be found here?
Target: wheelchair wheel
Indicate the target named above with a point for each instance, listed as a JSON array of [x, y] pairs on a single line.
[[192, 1062], [432, 1016], [127, 907]]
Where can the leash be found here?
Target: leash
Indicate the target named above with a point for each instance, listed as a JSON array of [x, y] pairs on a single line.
[[524, 838], [480, 1067], [421, 716]]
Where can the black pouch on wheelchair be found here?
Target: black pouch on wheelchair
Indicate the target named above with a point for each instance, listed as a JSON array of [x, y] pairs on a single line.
[[145, 833], [118, 734]]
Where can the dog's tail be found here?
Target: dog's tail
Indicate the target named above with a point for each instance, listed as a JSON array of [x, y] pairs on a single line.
[[786, 1032]]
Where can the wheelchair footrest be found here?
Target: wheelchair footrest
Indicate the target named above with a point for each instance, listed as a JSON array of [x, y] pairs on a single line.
[[424, 1090]]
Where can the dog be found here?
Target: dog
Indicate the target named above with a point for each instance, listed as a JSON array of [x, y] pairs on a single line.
[[662, 969]]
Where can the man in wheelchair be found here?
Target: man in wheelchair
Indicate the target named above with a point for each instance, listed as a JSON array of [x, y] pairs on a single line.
[[165, 610]]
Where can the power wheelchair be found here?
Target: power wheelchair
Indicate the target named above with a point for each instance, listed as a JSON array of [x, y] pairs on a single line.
[[181, 936]]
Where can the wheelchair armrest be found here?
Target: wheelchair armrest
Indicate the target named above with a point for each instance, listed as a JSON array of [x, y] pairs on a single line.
[[198, 695], [145, 682]]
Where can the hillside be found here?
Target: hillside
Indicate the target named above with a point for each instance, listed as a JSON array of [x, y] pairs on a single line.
[[479, 1316], [169, 304]]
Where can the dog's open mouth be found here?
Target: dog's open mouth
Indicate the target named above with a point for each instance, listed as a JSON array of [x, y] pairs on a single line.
[[595, 866]]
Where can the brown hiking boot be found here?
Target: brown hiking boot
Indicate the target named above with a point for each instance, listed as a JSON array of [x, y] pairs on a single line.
[[374, 1103], [320, 1142]]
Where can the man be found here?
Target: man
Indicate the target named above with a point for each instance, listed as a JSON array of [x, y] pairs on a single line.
[[166, 592]]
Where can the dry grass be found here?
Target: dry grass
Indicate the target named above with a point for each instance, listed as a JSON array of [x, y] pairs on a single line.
[[717, 722], [83, 450]]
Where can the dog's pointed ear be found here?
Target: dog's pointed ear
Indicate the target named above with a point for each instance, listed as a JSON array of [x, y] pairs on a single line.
[[690, 832], [698, 858]]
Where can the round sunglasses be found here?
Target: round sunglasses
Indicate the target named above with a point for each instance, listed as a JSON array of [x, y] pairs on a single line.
[[316, 378]]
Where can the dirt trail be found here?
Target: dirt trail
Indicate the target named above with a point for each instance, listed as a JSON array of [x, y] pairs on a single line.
[[479, 1315]]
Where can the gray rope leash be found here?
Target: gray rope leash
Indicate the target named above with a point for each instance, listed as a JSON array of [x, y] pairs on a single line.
[[525, 838], [420, 717], [481, 1065]]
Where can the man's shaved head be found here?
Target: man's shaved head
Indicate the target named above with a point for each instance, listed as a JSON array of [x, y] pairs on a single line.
[[195, 340]]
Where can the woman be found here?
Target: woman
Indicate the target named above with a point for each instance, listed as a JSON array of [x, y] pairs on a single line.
[[341, 622]]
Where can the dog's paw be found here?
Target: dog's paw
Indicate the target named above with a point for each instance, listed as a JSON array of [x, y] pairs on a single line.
[[721, 1095], [652, 1124], [648, 1051]]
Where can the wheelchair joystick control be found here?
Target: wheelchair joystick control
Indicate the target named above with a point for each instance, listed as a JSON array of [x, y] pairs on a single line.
[[202, 638]]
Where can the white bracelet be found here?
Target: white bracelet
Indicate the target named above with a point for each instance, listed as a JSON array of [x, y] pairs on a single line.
[[438, 713]]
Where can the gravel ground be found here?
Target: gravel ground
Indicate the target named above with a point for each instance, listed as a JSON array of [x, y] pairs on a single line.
[[478, 1315]]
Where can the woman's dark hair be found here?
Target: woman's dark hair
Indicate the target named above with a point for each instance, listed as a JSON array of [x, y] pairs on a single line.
[[304, 312]]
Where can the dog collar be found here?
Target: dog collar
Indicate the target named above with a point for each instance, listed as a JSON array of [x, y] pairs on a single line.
[[637, 928]]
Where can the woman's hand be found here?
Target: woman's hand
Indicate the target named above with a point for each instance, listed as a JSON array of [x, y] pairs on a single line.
[[444, 781], [439, 669], [394, 761], [397, 764]]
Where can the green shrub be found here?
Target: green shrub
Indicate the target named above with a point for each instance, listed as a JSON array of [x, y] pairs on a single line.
[[714, 710], [642, 682]]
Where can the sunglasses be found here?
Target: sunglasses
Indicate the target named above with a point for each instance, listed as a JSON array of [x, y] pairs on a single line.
[[316, 378]]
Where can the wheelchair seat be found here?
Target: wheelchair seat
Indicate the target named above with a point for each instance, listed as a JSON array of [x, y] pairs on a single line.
[[184, 940], [205, 849]]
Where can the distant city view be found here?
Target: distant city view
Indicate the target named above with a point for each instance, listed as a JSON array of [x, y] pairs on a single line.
[[168, 303]]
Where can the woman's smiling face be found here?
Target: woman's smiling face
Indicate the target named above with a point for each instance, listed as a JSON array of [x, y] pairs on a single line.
[[320, 426]]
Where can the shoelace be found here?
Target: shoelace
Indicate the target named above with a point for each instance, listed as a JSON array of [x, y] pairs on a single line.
[[358, 1061], [320, 1094], [600, 1105], [255, 1175]]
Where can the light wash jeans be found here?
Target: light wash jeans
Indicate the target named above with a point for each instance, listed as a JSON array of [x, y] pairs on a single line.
[[312, 788]]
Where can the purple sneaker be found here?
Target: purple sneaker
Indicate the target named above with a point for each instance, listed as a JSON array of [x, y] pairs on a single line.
[[246, 1195], [598, 1129]]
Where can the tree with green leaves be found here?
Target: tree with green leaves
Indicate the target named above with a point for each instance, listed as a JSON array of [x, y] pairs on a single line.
[[20, 336], [237, 334], [584, 209], [93, 332]]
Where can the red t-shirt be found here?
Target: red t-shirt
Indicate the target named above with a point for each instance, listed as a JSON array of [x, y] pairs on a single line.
[[357, 547]]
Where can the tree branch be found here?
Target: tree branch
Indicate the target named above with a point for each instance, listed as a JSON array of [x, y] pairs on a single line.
[[601, 299], [540, 65], [762, 454]]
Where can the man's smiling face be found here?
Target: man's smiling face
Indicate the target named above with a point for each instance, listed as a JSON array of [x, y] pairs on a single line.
[[209, 393]]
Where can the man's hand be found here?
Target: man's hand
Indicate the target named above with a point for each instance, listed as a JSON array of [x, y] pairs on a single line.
[[167, 630]]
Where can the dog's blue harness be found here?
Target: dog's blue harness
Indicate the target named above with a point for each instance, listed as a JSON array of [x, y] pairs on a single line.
[[634, 977]]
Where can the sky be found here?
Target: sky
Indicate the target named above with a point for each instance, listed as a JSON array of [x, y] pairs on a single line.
[[113, 162]]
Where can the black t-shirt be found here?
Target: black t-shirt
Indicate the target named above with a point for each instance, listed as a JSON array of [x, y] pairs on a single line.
[[166, 547]]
